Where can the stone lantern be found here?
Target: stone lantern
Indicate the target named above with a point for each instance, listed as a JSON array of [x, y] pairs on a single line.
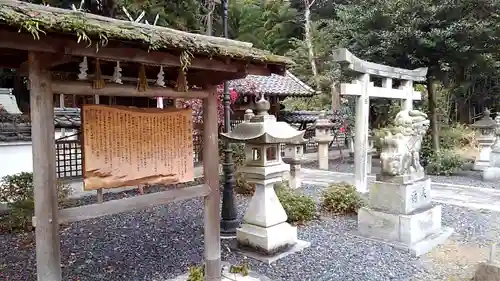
[[486, 137], [264, 229], [294, 153], [492, 172], [323, 137]]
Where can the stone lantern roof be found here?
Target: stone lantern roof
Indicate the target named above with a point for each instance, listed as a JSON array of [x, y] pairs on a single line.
[[485, 122], [263, 128]]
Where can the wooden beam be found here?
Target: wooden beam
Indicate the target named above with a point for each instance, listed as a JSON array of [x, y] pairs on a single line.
[[212, 201], [57, 45], [135, 203], [52, 61], [48, 256], [123, 90]]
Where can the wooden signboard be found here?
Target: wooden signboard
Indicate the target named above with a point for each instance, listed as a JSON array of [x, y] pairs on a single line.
[[126, 146]]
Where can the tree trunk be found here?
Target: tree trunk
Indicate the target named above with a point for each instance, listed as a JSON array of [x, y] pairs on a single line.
[[308, 39], [431, 91]]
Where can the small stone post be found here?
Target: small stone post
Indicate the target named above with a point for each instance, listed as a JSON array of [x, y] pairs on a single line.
[[486, 138], [323, 138]]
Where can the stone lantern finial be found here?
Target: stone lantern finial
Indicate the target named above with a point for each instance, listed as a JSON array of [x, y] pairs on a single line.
[[262, 106], [486, 113]]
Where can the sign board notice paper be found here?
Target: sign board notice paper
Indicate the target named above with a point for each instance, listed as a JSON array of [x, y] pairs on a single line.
[[126, 146]]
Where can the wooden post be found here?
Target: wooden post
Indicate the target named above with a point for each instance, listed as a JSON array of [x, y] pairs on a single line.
[[212, 201], [48, 259], [100, 193]]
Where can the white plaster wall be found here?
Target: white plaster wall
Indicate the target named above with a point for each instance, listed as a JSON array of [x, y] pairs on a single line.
[[59, 134], [15, 157]]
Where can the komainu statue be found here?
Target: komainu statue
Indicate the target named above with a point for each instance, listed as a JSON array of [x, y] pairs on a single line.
[[401, 145]]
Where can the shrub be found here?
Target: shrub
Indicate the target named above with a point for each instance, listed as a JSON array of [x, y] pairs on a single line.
[[238, 155], [196, 273], [451, 138], [242, 186], [341, 198], [446, 162], [298, 207], [17, 191], [457, 136], [238, 150]]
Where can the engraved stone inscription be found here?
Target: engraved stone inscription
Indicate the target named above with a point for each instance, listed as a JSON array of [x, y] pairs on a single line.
[[129, 146], [414, 197]]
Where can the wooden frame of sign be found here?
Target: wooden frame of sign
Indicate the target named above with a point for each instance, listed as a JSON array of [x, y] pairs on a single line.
[[46, 55]]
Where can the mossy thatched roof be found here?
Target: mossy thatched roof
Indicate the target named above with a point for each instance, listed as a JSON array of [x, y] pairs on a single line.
[[42, 20]]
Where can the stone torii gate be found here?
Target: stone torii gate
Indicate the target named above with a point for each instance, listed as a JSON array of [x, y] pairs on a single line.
[[363, 89]]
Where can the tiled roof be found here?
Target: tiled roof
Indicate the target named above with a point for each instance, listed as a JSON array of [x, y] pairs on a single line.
[[67, 117], [14, 127], [274, 85], [17, 127], [8, 101]]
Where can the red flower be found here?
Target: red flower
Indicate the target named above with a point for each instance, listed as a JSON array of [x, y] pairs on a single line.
[[233, 95]]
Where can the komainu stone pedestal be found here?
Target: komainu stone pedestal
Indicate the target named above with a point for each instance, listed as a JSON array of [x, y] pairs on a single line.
[[400, 213]]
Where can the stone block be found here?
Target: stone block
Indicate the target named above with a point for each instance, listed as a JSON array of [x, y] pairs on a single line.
[[491, 174], [373, 223], [487, 272], [266, 258], [494, 158], [399, 198], [267, 240], [418, 232]]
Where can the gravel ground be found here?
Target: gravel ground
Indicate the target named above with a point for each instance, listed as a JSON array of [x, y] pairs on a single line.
[[469, 178], [160, 243]]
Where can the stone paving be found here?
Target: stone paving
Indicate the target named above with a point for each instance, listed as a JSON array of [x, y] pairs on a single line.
[[459, 195]]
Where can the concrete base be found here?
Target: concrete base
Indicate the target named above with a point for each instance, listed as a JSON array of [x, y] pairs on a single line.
[[480, 165], [268, 259], [491, 174], [227, 276], [267, 240], [401, 198], [487, 272], [418, 232]]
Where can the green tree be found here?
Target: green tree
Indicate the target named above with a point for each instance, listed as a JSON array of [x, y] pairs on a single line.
[[267, 26], [444, 36]]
